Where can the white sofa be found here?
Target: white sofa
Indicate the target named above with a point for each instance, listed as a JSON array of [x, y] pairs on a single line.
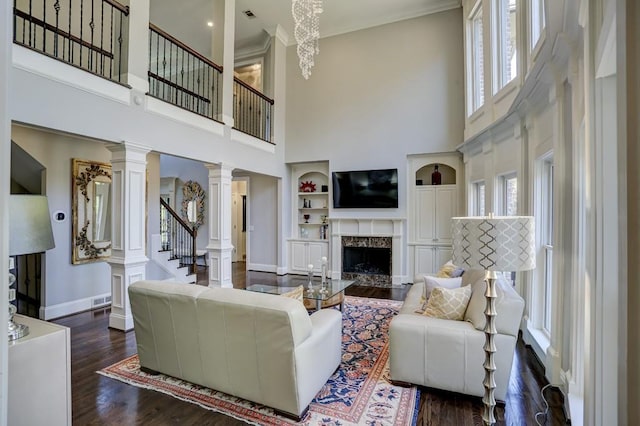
[[260, 347], [447, 354]]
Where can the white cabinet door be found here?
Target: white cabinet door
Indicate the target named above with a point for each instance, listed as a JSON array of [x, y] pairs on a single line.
[[317, 251], [424, 260], [445, 208], [299, 257], [442, 256], [425, 214]]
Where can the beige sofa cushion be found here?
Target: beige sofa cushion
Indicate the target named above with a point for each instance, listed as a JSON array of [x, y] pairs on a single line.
[[509, 305], [434, 282]]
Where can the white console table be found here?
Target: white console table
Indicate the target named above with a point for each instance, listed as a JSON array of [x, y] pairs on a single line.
[[40, 375]]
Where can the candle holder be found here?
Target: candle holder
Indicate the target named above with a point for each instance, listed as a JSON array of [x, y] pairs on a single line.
[[306, 218], [310, 283], [323, 287]]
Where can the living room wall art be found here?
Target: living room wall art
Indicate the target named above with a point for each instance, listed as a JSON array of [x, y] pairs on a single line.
[[91, 199]]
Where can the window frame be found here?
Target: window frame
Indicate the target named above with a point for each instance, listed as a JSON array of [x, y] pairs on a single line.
[[546, 242], [499, 43], [475, 58], [537, 23], [478, 208]]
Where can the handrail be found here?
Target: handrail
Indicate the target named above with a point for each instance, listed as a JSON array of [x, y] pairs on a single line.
[[184, 46], [124, 9], [177, 87], [177, 217], [254, 91]]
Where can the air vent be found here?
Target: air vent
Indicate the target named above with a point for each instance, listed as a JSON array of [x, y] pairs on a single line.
[[249, 14]]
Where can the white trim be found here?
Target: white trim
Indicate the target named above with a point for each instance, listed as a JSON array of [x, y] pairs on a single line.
[[264, 268], [53, 69], [68, 308], [243, 138], [180, 115]]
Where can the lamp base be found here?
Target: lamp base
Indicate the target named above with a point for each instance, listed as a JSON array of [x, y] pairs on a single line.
[[17, 331]]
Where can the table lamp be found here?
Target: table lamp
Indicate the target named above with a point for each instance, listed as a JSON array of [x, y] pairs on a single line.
[[493, 243], [29, 232]]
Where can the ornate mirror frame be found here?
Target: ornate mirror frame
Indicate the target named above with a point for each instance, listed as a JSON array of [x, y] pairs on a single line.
[[91, 198], [192, 204]]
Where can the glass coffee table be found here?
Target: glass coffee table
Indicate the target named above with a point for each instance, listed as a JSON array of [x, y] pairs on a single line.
[[316, 293]]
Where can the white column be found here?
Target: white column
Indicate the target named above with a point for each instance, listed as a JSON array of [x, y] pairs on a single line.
[[128, 259], [228, 61], [138, 46], [220, 248]]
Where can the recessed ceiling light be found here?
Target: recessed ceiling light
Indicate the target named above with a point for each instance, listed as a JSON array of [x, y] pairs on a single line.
[[210, 24]]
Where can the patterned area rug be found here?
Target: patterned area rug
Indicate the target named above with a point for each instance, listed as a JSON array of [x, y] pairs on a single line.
[[359, 393]]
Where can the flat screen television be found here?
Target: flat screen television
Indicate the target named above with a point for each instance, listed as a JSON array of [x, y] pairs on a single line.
[[365, 189]]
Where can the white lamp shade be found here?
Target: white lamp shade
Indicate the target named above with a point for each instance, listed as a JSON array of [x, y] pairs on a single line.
[[29, 225], [498, 243]]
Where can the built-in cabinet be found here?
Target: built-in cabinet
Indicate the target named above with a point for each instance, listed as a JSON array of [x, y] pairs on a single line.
[[433, 201], [310, 233]]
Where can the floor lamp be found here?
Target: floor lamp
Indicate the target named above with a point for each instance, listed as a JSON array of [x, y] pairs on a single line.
[[493, 243], [29, 232]]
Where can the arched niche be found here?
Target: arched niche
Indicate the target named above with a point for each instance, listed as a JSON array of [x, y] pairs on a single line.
[[423, 174]]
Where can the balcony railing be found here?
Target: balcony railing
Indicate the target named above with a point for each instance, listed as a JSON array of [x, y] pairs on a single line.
[[252, 111], [84, 33], [183, 77]]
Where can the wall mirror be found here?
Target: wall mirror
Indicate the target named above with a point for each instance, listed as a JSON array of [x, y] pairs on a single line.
[[193, 204], [91, 196]]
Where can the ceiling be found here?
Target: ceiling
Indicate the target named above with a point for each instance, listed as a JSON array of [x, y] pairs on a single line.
[[338, 17]]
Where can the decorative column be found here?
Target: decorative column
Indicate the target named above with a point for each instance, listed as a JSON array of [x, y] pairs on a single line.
[[220, 248], [136, 47], [128, 259]]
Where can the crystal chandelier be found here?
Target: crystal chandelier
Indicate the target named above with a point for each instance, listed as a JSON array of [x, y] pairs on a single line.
[[306, 31]]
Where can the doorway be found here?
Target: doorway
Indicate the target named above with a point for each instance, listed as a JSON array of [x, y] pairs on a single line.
[[239, 215]]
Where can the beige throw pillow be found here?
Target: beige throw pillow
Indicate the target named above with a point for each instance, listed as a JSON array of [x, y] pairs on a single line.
[[448, 303], [446, 270], [297, 293], [433, 282]]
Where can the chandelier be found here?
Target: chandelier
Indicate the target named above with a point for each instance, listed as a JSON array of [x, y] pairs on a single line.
[[306, 31]]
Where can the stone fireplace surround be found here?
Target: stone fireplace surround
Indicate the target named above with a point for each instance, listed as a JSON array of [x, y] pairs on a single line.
[[371, 227]]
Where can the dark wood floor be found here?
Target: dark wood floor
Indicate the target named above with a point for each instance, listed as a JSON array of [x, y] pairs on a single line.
[[98, 400]]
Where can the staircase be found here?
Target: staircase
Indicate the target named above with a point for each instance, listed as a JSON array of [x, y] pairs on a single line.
[[174, 249]]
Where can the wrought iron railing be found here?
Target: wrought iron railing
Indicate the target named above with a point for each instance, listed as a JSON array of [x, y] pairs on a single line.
[[28, 273], [252, 111], [183, 77], [84, 33], [177, 237]]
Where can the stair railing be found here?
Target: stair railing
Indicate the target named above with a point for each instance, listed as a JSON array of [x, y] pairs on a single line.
[[177, 237]]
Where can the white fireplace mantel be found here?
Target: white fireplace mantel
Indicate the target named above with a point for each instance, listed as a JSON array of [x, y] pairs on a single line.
[[369, 227]]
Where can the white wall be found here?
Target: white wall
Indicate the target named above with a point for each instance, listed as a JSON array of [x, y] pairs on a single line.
[[264, 234], [186, 170], [379, 94], [63, 281]]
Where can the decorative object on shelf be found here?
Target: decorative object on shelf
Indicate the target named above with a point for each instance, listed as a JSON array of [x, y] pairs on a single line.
[[418, 182], [307, 186], [193, 204], [91, 200], [306, 32], [323, 219], [29, 232], [505, 243], [323, 231], [436, 177], [306, 218], [304, 203], [310, 275], [324, 188], [304, 233]]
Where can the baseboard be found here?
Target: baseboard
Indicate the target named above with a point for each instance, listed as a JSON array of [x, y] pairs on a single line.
[[68, 308], [262, 268]]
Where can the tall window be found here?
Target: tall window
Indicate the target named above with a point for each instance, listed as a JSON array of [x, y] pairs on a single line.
[[478, 198], [536, 21], [505, 55], [547, 239], [476, 59]]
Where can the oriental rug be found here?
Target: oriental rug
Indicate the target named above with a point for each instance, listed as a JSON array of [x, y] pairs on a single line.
[[359, 393]]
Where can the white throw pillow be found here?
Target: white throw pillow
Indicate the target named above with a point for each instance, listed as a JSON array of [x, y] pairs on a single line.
[[448, 304], [432, 282]]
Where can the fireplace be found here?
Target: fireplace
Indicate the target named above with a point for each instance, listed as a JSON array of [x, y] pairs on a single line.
[[367, 260]]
